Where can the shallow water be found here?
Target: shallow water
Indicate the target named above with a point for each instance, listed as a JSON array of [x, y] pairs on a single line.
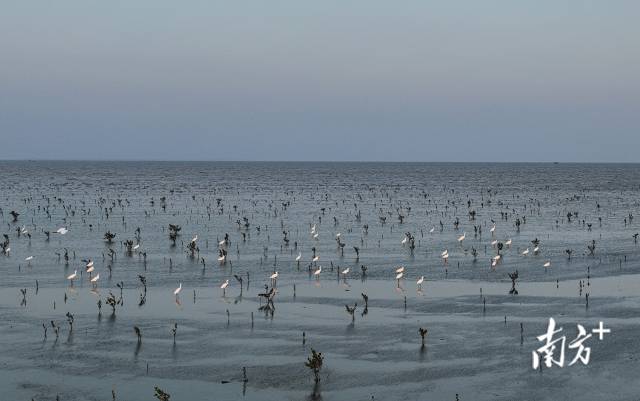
[[471, 350]]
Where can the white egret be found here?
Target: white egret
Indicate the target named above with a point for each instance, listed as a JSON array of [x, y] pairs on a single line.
[[72, 276], [398, 277]]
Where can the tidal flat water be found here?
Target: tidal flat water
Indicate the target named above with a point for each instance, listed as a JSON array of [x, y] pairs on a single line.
[[262, 218]]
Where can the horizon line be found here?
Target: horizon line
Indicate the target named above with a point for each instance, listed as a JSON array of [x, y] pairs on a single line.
[[312, 161]]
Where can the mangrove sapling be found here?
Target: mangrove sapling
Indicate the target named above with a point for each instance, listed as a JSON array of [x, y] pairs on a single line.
[[268, 296], [111, 301], [239, 281], [109, 236], [314, 363], [70, 320], [423, 334], [174, 330], [193, 248], [366, 304], [56, 328], [129, 245], [161, 395], [363, 276], [143, 281], [120, 285], [513, 276], [352, 311]]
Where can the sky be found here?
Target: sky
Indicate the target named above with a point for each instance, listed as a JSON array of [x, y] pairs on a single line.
[[361, 80]]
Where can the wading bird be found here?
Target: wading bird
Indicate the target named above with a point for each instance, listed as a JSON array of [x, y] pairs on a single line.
[[72, 276], [398, 277]]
